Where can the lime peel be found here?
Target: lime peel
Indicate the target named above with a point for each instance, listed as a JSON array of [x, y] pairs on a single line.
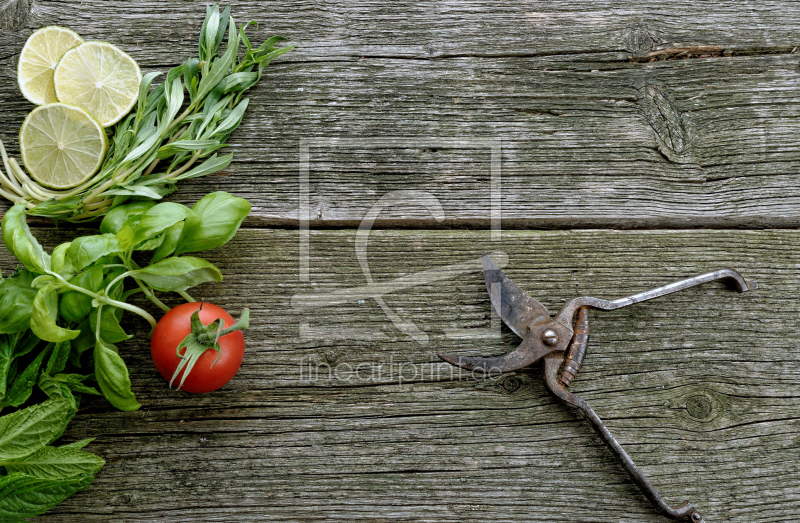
[[61, 146], [39, 58]]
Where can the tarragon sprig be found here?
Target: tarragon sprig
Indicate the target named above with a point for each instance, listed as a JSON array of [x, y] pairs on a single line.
[[174, 133]]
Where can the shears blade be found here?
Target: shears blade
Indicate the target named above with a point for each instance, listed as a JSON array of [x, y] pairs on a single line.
[[516, 308]]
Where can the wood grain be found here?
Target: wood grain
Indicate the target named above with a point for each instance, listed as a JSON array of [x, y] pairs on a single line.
[[361, 422], [589, 136]]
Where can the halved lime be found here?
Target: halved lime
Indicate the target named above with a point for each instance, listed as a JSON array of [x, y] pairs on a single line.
[[38, 60], [99, 78], [61, 146]]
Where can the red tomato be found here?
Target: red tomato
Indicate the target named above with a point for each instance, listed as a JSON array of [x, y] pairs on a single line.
[[174, 327]]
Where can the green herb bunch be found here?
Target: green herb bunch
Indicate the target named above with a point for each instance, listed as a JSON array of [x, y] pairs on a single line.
[[173, 134], [60, 320]]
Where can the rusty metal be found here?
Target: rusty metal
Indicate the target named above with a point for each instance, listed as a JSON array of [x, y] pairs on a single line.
[[562, 342], [577, 348]]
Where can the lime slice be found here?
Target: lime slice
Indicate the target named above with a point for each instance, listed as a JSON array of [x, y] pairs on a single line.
[[100, 79], [61, 146], [39, 58]]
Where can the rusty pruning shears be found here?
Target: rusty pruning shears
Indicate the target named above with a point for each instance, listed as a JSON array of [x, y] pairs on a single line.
[[562, 341]]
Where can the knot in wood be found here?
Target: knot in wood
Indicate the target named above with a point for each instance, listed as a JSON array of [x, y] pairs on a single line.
[[664, 117], [640, 39], [703, 406], [511, 384]]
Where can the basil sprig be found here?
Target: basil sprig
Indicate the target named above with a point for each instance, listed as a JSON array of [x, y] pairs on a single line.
[[60, 323]]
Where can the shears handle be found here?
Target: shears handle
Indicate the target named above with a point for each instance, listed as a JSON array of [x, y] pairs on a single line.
[[552, 362]]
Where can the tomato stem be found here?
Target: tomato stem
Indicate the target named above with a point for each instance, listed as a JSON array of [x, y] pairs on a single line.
[[202, 338]]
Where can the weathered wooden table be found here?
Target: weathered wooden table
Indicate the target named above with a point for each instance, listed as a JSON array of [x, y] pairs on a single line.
[[602, 148]]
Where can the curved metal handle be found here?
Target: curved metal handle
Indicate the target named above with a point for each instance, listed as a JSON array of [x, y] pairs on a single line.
[[552, 362], [565, 316]]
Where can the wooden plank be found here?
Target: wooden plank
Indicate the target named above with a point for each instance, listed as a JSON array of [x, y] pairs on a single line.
[[699, 387], [585, 138], [430, 29]]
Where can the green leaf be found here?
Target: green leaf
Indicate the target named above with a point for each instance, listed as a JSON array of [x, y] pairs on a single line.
[[144, 88], [109, 326], [57, 463], [220, 66], [185, 145], [88, 249], [56, 390], [19, 391], [211, 165], [77, 444], [215, 220], [158, 219], [25, 344], [59, 357], [6, 357], [27, 430], [21, 243], [117, 216], [125, 237], [178, 273], [43, 317], [59, 262], [43, 281], [233, 119], [169, 242], [112, 376], [145, 191], [74, 305], [16, 302], [24, 496], [75, 382]]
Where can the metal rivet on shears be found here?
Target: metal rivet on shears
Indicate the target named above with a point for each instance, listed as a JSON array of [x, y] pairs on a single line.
[[550, 337], [562, 344]]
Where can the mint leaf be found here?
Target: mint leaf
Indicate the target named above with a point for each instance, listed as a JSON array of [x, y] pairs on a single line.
[[24, 496], [56, 463], [27, 430]]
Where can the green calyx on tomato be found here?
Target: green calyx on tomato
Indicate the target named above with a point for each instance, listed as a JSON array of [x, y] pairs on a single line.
[[203, 338]]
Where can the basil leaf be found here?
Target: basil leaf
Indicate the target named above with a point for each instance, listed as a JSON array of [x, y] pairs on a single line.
[[27, 430], [59, 262], [118, 289], [125, 237], [178, 274], [24, 496], [57, 463], [112, 376], [109, 325], [43, 317], [19, 240], [88, 249], [43, 281], [83, 343], [215, 220], [169, 242], [74, 305], [19, 391], [157, 219], [117, 216], [16, 302]]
